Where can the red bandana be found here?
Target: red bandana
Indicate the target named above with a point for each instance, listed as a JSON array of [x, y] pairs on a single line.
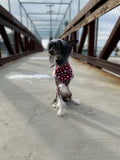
[[64, 73]]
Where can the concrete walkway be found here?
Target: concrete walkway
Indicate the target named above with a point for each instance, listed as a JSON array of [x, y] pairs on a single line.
[[29, 127]]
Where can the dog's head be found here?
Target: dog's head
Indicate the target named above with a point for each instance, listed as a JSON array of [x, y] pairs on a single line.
[[60, 49]]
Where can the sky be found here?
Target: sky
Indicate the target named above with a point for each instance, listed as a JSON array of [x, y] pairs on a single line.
[[106, 22]]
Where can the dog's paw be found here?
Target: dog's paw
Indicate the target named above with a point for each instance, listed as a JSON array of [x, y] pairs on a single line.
[[54, 105], [76, 101], [60, 113]]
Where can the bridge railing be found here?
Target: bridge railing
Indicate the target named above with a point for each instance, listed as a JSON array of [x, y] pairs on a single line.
[[14, 36], [87, 20]]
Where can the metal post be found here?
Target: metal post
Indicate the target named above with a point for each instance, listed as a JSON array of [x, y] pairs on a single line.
[[70, 12], [78, 5], [20, 11], [78, 12], [96, 36], [91, 38], [27, 19], [51, 22], [9, 6], [0, 52], [50, 12]]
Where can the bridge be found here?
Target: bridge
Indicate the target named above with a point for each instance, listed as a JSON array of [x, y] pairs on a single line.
[[29, 126]]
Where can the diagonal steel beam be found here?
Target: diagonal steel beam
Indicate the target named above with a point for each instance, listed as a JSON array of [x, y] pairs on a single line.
[[111, 42], [16, 38], [6, 40], [21, 43], [82, 39]]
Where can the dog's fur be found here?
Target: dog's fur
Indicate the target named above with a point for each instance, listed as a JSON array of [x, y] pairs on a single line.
[[59, 52]]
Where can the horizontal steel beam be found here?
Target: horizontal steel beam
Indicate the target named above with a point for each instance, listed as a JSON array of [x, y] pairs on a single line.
[[45, 20], [48, 28], [45, 13], [37, 25], [99, 62], [45, 31], [54, 3]]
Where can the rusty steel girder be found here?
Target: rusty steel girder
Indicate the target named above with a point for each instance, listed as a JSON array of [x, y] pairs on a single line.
[[86, 19], [28, 42]]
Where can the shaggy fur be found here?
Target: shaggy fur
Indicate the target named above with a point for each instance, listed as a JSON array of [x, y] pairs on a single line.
[[59, 52]]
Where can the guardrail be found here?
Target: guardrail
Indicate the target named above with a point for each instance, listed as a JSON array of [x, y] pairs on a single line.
[[87, 19], [23, 41]]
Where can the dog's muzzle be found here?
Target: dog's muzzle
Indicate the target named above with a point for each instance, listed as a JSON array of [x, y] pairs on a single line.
[[51, 52]]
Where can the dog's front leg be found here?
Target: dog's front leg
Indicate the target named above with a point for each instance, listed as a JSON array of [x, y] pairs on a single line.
[[60, 106], [55, 101], [61, 103], [58, 102]]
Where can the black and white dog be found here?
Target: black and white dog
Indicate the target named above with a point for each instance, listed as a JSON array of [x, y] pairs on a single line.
[[59, 52]]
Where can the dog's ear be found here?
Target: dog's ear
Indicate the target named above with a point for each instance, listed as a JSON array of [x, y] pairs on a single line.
[[72, 43]]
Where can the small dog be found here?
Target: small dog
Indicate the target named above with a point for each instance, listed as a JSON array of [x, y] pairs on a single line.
[[59, 52]]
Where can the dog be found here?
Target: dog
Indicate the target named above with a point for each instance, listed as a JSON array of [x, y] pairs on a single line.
[[59, 52]]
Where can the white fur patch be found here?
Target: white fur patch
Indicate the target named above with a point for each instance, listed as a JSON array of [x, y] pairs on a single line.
[[60, 105], [76, 101], [63, 88]]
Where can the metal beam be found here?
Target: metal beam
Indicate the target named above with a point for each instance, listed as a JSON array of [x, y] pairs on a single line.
[[91, 38], [16, 38], [45, 31], [21, 43], [74, 36], [56, 3], [44, 20], [37, 25], [111, 42], [6, 40], [82, 39], [45, 13], [28, 16], [79, 22], [64, 16], [0, 53], [47, 28], [6, 19], [99, 62]]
